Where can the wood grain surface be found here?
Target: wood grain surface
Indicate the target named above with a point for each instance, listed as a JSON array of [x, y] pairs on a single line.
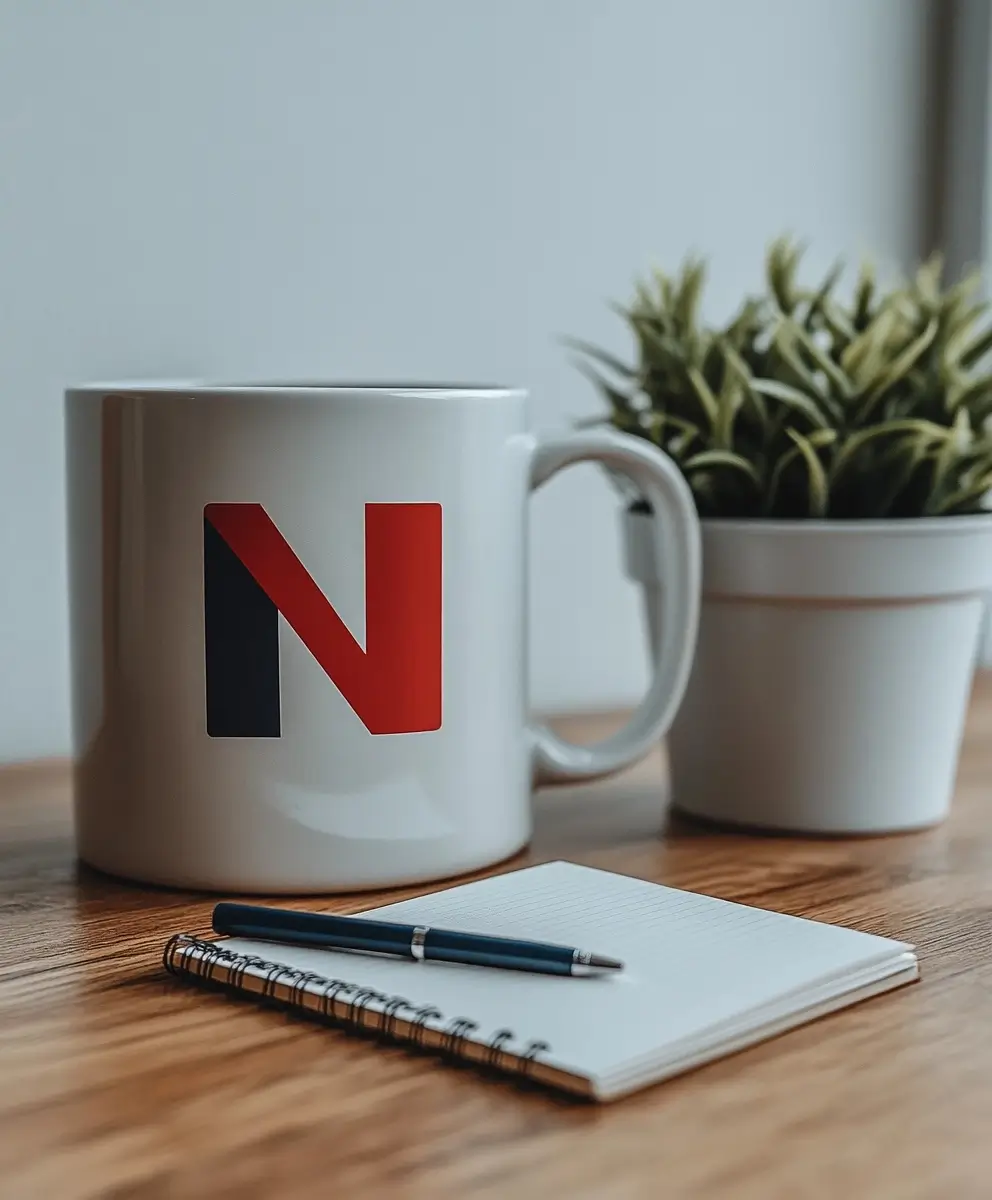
[[118, 1082]]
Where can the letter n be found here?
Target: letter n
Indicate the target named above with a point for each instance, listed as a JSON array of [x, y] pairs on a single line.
[[251, 575]]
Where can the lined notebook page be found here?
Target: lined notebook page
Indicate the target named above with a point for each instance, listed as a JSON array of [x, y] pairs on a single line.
[[692, 962]]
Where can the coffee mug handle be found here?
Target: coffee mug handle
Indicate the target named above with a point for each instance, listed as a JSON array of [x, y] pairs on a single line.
[[678, 551]]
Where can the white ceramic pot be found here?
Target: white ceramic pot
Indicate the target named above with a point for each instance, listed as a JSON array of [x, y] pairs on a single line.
[[833, 669]]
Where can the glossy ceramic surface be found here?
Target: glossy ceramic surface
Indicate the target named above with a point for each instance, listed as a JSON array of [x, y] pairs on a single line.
[[327, 804]]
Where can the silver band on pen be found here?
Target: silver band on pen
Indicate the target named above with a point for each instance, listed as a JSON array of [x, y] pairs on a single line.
[[417, 940]]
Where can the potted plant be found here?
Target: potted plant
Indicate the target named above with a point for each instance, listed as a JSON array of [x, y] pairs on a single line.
[[838, 454]]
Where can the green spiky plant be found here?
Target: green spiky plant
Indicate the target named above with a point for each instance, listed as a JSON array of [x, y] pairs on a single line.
[[808, 405]]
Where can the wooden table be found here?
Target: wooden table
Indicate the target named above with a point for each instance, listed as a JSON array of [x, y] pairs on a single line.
[[117, 1082]]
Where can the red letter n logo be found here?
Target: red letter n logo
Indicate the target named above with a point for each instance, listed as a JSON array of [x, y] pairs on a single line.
[[251, 575]]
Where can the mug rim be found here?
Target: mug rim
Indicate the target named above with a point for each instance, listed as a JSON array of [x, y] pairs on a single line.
[[306, 386]]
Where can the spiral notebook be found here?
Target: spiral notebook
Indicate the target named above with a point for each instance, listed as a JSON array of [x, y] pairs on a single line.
[[703, 978]]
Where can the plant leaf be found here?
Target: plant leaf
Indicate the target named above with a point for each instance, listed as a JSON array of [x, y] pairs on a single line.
[[621, 403], [928, 431], [784, 341], [686, 303], [661, 424], [747, 317], [666, 291], [735, 364], [722, 458], [896, 369], [913, 452], [792, 398], [818, 300], [781, 264], [601, 356], [729, 402], [971, 395], [819, 488], [859, 358], [833, 372], [956, 441], [977, 350], [967, 498], [819, 438], [928, 277], [705, 394], [863, 294], [657, 349], [839, 326]]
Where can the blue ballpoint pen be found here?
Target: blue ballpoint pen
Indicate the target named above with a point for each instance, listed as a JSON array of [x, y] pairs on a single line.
[[419, 942]]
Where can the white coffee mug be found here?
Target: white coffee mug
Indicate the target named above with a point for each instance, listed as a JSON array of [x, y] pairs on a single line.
[[299, 634]]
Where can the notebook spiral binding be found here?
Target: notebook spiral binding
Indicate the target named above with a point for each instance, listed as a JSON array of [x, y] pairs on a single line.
[[393, 1018]]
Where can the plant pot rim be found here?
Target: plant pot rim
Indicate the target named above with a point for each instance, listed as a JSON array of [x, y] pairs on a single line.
[[889, 526], [850, 561]]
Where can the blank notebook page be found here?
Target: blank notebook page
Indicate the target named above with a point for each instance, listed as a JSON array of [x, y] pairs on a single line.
[[694, 964]]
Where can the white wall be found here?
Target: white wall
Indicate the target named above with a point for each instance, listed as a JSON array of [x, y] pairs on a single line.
[[429, 188]]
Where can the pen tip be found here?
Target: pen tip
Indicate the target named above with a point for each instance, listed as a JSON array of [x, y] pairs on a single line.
[[600, 962], [587, 963]]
